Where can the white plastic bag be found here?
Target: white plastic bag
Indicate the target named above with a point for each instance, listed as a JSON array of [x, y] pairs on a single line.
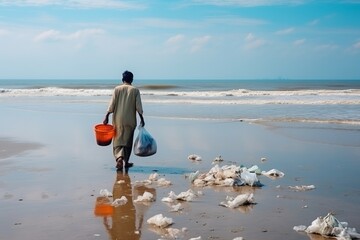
[[145, 144]]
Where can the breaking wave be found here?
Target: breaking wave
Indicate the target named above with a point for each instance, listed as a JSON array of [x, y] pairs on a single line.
[[161, 94]]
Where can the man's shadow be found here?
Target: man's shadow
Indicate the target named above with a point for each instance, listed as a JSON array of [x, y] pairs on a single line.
[[127, 220]]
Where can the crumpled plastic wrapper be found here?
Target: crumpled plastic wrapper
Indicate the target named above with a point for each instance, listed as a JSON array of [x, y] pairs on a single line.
[[240, 200], [329, 226], [187, 196], [146, 197], [160, 221]]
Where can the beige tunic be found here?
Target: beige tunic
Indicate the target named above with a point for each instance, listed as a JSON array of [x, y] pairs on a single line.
[[124, 104]]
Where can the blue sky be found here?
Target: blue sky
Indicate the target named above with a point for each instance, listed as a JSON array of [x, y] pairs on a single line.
[[180, 39]]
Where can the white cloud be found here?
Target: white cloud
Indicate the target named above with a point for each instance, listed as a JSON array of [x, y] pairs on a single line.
[[314, 22], [299, 42], [84, 4], [199, 42], [236, 21], [252, 42], [249, 37], [285, 31], [326, 47], [175, 39], [4, 32], [53, 35], [164, 23], [174, 43], [250, 3], [47, 35]]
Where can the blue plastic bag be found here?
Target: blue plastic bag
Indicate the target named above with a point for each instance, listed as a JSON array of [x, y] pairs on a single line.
[[145, 144]]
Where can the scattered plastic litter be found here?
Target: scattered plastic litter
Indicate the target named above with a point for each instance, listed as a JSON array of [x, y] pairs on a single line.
[[302, 187], [119, 201], [176, 208], [160, 221], [250, 178], [227, 175], [105, 193], [255, 169], [329, 226], [218, 160], [273, 173], [242, 199], [188, 196], [193, 176], [196, 238], [146, 197], [263, 159], [154, 178], [174, 233], [194, 157], [162, 182]]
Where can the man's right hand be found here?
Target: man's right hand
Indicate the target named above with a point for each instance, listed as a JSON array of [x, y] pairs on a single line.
[[106, 120]]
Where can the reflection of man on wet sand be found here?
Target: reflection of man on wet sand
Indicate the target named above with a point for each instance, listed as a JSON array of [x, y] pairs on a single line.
[[124, 217]]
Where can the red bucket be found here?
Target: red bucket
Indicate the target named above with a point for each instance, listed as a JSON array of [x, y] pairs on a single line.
[[104, 134]]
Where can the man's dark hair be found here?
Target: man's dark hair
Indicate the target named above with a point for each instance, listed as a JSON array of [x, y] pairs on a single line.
[[127, 77]]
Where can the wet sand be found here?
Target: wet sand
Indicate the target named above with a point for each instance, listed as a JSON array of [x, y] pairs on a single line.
[[52, 171]]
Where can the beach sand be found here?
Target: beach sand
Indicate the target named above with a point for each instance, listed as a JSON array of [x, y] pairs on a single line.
[[51, 173]]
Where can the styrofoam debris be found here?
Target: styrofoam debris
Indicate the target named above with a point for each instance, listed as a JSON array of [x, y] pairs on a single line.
[[238, 238], [105, 193], [146, 197], [119, 201], [194, 157], [160, 221], [302, 187], [329, 226], [273, 173], [241, 199]]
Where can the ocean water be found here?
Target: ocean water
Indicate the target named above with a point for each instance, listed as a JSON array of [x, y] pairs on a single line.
[[334, 103]]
